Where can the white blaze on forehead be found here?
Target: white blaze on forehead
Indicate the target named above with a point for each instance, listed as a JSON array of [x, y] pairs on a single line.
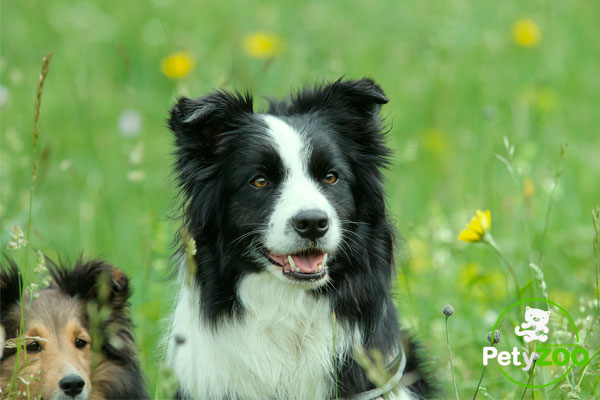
[[289, 142], [298, 192]]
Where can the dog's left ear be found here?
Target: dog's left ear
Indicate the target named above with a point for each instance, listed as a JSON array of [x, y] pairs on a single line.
[[118, 284], [11, 285], [93, 280]]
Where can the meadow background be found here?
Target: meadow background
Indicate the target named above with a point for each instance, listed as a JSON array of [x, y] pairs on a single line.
[[460, 75]]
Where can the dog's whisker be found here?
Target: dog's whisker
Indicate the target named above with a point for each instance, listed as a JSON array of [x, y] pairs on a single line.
[[245, 235]]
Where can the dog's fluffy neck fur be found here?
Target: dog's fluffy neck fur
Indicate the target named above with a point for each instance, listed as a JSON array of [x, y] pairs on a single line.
[[282, 344]]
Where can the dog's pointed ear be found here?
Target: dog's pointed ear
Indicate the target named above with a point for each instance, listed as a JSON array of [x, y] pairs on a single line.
[[363, 97], [120, 288], [11, 285], [198, 124]]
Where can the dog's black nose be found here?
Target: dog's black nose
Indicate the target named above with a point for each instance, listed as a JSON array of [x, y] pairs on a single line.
[[72, 385], [311, 224]]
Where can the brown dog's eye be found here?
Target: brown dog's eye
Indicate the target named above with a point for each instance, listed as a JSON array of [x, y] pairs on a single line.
[[80, 343], [331, 178], [260, 182], [33, 347]]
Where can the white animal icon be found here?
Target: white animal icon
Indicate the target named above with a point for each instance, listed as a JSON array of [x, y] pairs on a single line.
[[534, 326]]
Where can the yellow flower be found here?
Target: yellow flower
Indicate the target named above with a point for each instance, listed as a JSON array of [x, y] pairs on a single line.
[[481, 283], [546, 99], [543, 98], [263, 45], [435, 141], [475, 231], [528, 188], [526, 33], [177, 65], [418, 250], [563, 297]]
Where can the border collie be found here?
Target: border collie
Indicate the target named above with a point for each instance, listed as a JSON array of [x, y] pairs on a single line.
[[62, 361], [294, 251]]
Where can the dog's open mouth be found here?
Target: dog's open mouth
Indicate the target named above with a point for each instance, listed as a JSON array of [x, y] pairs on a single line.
[[308, 265]]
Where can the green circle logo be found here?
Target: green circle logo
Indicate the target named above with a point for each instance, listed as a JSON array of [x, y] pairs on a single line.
[[531, 341]]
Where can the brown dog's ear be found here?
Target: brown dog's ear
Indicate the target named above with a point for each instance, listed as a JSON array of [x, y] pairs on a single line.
[[119, 287], [93, 280]]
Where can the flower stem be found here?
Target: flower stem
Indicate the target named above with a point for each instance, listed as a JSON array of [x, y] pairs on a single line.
[[528, 382], [596, 221], [490, 240], [479, 383], [450, 354], [24, 280]]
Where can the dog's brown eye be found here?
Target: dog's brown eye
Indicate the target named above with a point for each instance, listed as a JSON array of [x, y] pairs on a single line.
[[33, 347], [260, 182], [331, 178], [80, 343]]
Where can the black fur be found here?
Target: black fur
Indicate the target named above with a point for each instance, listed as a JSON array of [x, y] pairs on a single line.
[[11, 286], [218, 141]]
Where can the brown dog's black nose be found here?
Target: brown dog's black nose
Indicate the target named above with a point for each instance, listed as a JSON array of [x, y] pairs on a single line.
[[72, 385], [311, 224]]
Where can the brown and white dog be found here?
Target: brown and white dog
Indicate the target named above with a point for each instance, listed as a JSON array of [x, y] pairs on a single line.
[[60, 361]]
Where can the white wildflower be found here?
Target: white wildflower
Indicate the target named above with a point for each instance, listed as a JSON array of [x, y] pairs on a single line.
[[136, 175], [130, 123], [4, 95], [40, 268], [539, 276], [65, 164], [137, 153], [16, 239]]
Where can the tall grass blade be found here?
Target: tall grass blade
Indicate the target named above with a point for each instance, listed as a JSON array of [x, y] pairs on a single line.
[[36, 133]]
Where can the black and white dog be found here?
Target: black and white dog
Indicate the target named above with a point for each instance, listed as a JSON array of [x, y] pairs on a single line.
[[294, 249]]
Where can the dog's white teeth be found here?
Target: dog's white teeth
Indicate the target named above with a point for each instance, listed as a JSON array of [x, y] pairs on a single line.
[[297, 269], [292, 263], [320, 267], [324, 259]]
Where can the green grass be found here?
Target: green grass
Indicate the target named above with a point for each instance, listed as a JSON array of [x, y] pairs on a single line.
[[457, 85]]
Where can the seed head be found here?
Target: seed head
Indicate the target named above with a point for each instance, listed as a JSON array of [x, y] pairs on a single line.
[[16, 239], [448, 310], [495, 339]]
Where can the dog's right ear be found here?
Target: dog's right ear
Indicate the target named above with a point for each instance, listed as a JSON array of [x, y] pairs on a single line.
[[198, 124], [11, 285]]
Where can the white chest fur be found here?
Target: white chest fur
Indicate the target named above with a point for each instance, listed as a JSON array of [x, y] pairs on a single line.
[[283, 347]]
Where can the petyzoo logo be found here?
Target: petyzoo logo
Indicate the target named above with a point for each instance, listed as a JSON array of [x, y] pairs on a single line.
[[547, 338]]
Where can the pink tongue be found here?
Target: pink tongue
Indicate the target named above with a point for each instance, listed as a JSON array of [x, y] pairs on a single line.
[[308, 263]]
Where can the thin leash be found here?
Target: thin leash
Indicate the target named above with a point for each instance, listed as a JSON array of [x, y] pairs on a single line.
[[390, 384]]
